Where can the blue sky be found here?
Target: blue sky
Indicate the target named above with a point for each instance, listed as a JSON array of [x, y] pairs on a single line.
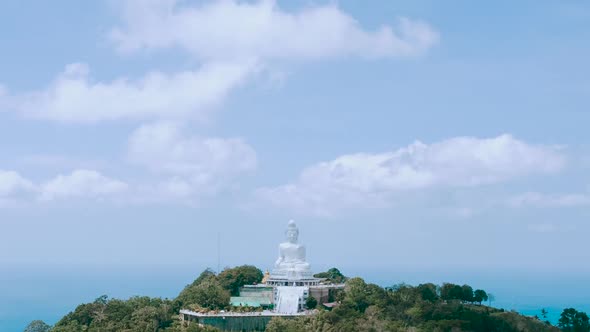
[[135, 131]]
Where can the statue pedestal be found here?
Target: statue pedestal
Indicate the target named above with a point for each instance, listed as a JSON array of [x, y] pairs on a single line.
[[279, 277], [291, 274]]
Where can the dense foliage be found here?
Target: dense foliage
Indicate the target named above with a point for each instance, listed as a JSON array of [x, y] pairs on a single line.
[[135, 314], [361, 307], [333, 275], [427, 307], [311, 302], [572, 320], [234, 279], [37, 326]]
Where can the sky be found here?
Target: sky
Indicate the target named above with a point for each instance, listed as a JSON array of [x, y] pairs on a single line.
[[397, 134]]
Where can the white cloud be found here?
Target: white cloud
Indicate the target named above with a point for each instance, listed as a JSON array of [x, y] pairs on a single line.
[[233, 38], [369, 180], [197, 165], [4, 99], [236, 29], [12, 183], [81, 183], [74, 97], [536, 199]]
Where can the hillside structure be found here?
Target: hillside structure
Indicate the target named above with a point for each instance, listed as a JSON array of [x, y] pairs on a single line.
[[283, 292]]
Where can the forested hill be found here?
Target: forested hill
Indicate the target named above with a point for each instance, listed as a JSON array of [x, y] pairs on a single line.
[[360, 307]]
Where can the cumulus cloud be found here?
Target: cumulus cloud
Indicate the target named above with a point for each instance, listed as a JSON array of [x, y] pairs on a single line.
[[81, 184], [78, 184], [261, 29], [196, 165], [74, 97], [367, 180], [536, 199], [12, 183]]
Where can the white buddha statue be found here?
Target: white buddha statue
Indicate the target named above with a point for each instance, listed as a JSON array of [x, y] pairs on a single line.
[[292, 255]]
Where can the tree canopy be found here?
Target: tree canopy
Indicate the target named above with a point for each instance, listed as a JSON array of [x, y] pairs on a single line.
[[37, 326], [480, 296], [333, 276], [572, 320], [234, 278]]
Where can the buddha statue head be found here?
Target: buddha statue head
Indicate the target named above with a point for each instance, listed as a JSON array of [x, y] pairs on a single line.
[[292, 232]]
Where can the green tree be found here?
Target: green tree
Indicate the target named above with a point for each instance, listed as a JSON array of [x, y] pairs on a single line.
[[333, 276], [103, 315], [279, 324], [205, 275], [466, 293], [102, 300], [151, 318], [572, 320], [311, 302], [356, 294], [208, 294], [450, 292], [37, 326], [480, 296], [428, 292], [71, 326], [233, 279]]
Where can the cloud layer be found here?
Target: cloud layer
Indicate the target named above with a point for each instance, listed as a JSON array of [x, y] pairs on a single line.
[[12, 183], [232, 39], [234, 29], [78, 184], [74, 97], [81, 183], [195, 165], [364, 179]]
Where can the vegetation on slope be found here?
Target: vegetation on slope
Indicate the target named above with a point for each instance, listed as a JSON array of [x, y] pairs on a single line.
[[368, 307], [333, 276], [361, 307], [208, 292]]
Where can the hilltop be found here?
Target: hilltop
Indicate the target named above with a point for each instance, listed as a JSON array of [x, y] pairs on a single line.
[[360, 306]]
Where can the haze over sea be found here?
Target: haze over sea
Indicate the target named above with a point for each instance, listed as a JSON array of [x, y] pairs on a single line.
[[48, 293]]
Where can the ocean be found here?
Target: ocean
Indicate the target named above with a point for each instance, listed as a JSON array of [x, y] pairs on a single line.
[[48, 293]]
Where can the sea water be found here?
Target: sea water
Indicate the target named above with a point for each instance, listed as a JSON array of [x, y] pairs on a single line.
[[48, 293]]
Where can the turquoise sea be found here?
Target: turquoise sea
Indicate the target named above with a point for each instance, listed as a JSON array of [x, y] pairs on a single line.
[[28, 293]]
